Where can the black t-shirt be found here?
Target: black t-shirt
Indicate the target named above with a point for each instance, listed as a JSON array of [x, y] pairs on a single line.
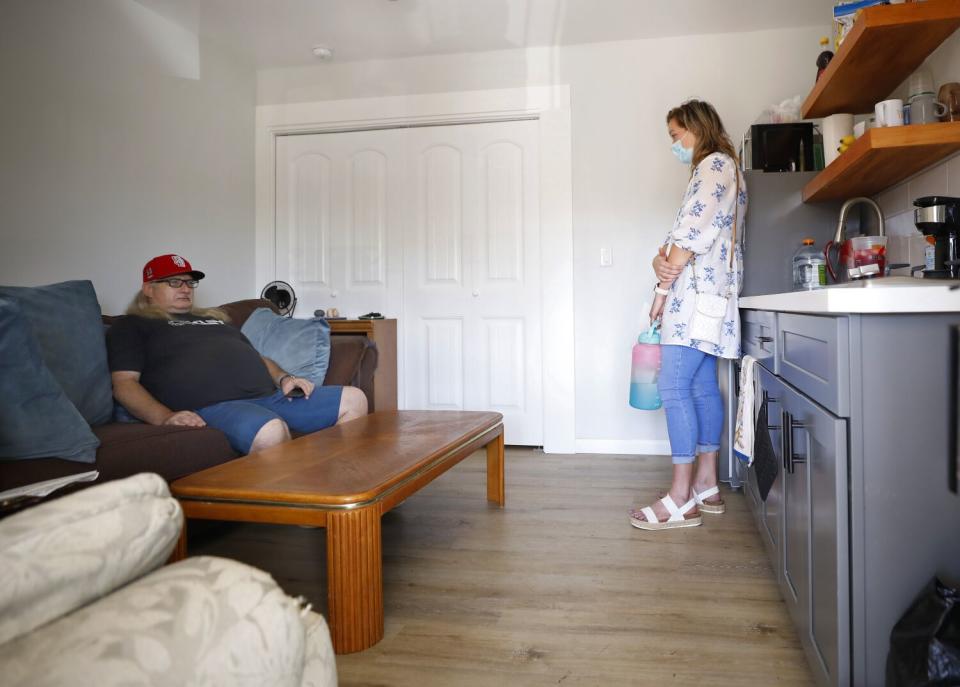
[[188, 362]]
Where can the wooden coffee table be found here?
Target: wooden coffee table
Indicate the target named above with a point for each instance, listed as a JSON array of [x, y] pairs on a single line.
[[344, 478]]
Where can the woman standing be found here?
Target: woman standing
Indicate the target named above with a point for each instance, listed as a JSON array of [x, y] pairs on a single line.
[[699, 270]]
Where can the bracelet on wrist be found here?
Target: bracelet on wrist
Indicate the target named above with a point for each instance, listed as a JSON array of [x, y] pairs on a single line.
[[282, 377], [662, 292]]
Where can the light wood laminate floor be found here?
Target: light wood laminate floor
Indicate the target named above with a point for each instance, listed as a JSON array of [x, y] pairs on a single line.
[[556, 589]]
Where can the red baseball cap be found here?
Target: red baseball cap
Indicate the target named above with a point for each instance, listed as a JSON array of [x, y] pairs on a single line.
[[164, 266]]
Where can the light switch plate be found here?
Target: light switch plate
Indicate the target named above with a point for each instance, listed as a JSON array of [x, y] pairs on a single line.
[[606, 257]]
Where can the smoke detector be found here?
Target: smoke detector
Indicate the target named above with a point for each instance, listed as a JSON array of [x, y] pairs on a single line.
[[322, 52]]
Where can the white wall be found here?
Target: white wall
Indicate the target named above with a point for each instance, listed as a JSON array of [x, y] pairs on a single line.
[[122, 136], [906, 243], [626, 183]]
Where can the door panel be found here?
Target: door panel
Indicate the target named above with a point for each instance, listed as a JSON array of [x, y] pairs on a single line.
[[338, 221], [820, 442], [471, 247], [796, 517], [772, 513]]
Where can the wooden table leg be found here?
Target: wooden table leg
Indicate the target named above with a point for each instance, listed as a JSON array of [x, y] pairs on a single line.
[[495, 482], [180, 550], [354, 579]]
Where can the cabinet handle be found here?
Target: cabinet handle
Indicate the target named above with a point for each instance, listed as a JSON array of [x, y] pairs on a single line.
[[791, 459], [768, 399], [765, 339], [785, 439]]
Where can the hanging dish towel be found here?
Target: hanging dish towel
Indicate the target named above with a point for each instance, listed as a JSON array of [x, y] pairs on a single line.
[[745, 429]]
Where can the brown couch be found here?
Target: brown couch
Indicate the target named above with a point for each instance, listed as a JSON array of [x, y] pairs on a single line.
[[172, 452]]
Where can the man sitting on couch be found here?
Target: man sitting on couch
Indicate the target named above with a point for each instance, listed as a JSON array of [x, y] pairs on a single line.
[[176, 365]]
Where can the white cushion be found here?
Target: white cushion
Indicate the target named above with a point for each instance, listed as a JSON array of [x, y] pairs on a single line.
[[202, 621], [61, 555]]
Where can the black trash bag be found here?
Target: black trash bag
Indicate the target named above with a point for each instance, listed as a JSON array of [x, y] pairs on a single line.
[[925, 642]]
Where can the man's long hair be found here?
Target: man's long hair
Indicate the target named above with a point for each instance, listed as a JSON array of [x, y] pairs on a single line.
[[702, 120], [141, 307]]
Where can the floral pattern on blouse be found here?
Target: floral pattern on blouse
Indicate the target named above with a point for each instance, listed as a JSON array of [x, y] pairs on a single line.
[[704, 226]]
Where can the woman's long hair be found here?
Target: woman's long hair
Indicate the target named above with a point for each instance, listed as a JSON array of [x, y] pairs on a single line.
[[700, 118], [142, 307]]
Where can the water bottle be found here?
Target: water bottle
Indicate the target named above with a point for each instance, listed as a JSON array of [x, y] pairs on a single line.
[[809, 268], [645, 370]]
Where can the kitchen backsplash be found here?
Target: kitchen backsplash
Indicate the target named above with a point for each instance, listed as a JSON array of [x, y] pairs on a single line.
[[906, 244]]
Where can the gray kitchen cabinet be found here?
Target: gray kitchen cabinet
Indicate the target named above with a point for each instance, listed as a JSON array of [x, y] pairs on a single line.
[[861, 515]]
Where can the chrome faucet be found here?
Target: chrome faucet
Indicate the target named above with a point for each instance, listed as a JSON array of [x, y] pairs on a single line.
[[845, 209]]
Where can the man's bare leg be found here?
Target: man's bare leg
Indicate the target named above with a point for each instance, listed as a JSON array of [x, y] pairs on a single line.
[[353, 404]]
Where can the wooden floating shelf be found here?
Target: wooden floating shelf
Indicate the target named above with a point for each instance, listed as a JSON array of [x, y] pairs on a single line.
[[881, 158], [886, 44]]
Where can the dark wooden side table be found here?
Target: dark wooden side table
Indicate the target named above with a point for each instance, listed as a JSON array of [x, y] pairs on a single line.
[[384, 334]]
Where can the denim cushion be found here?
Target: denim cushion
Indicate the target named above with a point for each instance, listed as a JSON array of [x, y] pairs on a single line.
[[37, 420], [65, 319], [300, 347]]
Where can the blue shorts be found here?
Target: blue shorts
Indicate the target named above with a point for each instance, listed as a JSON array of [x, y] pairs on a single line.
[[241, 420]]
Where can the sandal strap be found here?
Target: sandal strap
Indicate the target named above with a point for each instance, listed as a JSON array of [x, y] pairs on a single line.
[[705, 494], [649, 514], [676, 513]]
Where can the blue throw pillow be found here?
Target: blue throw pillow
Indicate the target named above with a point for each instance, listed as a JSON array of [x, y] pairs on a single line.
[[300, 347], [37, 420], [65, 320]]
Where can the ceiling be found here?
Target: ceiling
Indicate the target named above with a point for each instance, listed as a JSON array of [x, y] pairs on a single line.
[[281, 33]]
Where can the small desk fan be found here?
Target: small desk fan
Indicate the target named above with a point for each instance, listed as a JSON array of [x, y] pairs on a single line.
[[281, 294]]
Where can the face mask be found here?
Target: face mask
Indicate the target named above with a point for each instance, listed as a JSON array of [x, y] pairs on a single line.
[[685, 155]]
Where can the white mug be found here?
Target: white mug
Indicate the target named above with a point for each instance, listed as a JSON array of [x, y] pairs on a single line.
[[889, 112]]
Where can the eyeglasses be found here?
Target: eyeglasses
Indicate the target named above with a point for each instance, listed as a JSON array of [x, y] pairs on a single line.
[[175, 283]]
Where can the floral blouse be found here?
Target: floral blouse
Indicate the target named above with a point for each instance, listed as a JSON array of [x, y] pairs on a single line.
[[704, 226]]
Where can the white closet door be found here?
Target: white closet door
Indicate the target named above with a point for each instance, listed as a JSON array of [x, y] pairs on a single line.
[[439, 227], [339, 200], [472, 273]]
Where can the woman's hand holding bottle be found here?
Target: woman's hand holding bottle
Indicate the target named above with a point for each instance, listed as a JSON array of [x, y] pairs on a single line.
[[656, 310]]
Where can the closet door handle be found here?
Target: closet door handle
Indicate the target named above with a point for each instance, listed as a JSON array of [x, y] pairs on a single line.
[[765, 339]]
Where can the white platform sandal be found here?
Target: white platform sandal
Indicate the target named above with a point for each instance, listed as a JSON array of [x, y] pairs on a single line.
[[715, 508], [678, 516]]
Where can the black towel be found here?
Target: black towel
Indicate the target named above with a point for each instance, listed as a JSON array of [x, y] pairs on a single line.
[[765, 462]]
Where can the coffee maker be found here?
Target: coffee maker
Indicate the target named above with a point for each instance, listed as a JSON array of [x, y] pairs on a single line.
[[939, 217]]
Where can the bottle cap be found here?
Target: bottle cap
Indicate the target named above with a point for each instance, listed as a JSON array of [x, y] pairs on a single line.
[[808, 242], [651, 336]]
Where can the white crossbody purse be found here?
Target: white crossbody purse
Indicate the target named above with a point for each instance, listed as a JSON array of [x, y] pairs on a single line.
[[710, 309]]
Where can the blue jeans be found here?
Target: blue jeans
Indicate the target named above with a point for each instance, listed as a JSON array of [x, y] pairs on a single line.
[[691, 398]]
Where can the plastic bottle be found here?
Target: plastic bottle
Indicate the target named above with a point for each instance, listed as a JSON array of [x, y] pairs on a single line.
[[645, 370], [809, 268]]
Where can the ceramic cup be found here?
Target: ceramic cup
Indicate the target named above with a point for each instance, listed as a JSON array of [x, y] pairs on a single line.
[[949, 95], [924, 109], [889, 112]]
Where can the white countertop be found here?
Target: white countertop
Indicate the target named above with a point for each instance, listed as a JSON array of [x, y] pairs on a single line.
[[877, 296]]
